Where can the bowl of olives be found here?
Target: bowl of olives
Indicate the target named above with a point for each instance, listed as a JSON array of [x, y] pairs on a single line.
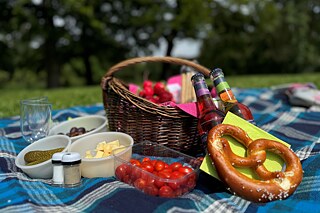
[[79, 127], [35, 159]]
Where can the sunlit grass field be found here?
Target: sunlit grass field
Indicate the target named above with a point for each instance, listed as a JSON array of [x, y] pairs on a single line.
[[82, 96]]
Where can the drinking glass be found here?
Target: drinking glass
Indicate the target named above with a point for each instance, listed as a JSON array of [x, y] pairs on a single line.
[[35, 118]]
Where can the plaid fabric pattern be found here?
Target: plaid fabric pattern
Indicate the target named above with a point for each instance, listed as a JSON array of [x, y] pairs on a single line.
[[298, 126]]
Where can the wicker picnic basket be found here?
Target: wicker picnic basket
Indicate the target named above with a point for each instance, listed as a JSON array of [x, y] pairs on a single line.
[[147, 121]]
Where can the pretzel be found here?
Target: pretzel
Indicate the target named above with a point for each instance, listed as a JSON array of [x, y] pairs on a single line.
[[271, 186]]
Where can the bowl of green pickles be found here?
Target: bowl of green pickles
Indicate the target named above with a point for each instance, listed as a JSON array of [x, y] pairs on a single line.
[[35, 159]]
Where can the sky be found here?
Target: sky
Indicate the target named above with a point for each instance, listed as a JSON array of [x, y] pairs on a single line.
[[185, 48]]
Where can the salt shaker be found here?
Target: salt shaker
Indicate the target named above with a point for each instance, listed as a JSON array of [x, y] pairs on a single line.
[[57, 178], [71, 169]]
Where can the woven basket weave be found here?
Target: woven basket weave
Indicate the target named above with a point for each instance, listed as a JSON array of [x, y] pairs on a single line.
[[144, 120]]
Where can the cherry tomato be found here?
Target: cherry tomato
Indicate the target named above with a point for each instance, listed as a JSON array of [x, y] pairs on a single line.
[[146, 165], [185, 170], [176, 180], [145, 174], [153, 162], [151, 179], [121, 171], [175, 166], [146, 159], [176, 175], [159, 182], [140, 183], [167, 170], [127, 179], [191, 181], [135, 173], [135, 162], [159, 165], [166, 166], [166, 191], [164, 174], [151, 189]]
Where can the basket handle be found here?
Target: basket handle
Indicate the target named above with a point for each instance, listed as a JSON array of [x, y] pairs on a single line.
[[165, 59]]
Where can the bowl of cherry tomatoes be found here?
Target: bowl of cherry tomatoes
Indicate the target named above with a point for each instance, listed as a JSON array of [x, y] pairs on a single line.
[[157, 170]]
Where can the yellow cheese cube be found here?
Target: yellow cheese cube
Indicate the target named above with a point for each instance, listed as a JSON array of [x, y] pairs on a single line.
[[114, 143], [99, 154], [104, 149], [88, 154], [101, 145]]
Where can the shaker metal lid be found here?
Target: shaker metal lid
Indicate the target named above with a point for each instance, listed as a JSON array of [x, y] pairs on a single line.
[[57, 157], [71, 158]]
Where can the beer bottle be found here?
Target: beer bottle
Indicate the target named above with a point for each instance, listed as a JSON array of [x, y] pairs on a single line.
[[209, 114], [227, 97]]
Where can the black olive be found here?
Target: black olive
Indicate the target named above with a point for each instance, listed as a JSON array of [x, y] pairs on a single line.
[[73, 129], [82, 130]]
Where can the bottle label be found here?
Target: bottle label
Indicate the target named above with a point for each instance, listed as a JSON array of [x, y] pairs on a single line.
[[222, 86], [201, 89]]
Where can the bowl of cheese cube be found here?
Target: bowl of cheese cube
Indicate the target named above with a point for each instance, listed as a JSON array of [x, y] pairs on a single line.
[[97, 152]]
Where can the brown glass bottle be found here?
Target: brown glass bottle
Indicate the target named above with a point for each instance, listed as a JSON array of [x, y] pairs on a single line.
[[209, 115], [227, 97]]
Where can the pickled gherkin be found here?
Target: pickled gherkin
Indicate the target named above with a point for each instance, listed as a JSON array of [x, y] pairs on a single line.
[[39, 156]]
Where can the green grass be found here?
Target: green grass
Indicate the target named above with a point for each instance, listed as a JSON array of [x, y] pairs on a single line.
[[258, 81], [82, 96], [60, 98]]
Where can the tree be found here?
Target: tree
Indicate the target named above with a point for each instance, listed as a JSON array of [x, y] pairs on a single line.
[[51, 33], [143, 23], [6, 41], [263, 36]]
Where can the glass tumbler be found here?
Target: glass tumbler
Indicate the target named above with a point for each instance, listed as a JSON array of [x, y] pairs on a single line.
[[35, 119]]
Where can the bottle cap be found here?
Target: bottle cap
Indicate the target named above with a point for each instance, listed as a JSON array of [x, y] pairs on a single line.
[[71, 158], [215, 72], [57, 157], [198, 75]]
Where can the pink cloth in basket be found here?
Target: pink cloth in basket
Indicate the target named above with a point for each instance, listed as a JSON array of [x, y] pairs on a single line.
[[134, 88], [190, 108]]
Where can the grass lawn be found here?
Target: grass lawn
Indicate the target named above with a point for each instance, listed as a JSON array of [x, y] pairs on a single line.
[[81, 96], [60, 98]]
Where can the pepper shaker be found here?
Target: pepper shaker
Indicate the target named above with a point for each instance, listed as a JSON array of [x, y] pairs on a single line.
[[71, 169]]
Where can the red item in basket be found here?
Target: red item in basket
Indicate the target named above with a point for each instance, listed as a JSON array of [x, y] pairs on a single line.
[[156, 93]]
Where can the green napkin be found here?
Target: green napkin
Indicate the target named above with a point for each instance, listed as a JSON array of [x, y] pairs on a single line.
[[273, 161]]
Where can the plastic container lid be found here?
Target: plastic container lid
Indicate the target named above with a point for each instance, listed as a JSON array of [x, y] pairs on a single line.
[[71, 158], [57, 157]]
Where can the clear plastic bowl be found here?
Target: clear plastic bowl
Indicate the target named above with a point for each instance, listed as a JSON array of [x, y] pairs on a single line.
[[177, 178]]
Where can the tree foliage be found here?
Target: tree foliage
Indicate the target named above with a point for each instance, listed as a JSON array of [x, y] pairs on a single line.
[[263, 36], [73, 42]]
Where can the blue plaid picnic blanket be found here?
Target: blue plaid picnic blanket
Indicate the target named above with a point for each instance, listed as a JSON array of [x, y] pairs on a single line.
[[298, 126]]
